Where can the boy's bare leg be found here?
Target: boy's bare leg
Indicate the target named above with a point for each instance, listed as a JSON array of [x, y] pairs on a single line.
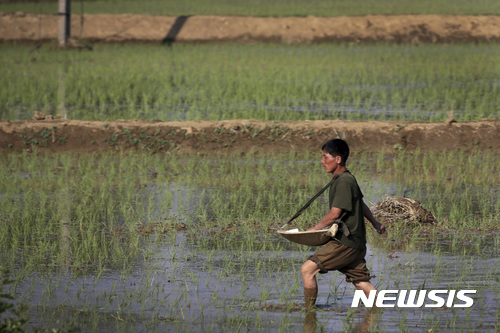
[[309, 270], [366, 286]]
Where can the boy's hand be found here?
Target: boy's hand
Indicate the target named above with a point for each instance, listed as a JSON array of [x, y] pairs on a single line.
[[379, 227]]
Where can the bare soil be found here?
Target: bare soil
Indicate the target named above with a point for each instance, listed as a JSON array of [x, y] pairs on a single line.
[[149, 28], [46, 134]]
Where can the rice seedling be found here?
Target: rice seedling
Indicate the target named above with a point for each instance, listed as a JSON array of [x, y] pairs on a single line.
[[263, 81]]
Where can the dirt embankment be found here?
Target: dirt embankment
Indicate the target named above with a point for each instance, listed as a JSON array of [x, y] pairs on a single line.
[[245, 136], [148, 28]]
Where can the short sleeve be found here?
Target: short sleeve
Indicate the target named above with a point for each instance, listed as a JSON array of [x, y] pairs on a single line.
[[343, 197]]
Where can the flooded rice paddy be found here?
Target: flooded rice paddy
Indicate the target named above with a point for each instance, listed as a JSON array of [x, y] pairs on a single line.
[[262, 81], [140, 243]]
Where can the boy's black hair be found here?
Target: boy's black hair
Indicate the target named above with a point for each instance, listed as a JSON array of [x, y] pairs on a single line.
[[337, 147]]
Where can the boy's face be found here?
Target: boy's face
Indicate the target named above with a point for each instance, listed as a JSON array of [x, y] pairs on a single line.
[[330, 163]]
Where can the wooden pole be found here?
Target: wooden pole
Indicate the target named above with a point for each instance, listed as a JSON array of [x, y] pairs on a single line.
[[64, 14]]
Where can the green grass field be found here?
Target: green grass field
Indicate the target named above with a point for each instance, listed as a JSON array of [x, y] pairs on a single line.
[[263, 8], [258, 81]]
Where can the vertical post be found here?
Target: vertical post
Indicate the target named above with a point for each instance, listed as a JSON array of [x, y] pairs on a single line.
[[64, 14]]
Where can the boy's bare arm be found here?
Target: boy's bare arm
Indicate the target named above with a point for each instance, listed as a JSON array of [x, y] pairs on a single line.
[[333, 214]]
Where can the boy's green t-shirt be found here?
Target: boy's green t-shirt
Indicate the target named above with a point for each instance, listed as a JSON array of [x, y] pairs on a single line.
[[346, 195]]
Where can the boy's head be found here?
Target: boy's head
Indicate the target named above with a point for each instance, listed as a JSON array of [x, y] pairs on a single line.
[[337, 147]]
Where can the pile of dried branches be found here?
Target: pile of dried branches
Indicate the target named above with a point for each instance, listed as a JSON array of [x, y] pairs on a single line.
[[402, 210]]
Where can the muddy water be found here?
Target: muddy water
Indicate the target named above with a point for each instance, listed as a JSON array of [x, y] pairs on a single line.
[[231, 280], [207, 283]]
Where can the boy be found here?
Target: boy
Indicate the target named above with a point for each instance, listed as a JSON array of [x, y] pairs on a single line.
[[346, 252]]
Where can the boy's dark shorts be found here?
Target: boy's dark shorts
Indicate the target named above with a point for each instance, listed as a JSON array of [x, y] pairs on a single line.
[[338, 257]]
